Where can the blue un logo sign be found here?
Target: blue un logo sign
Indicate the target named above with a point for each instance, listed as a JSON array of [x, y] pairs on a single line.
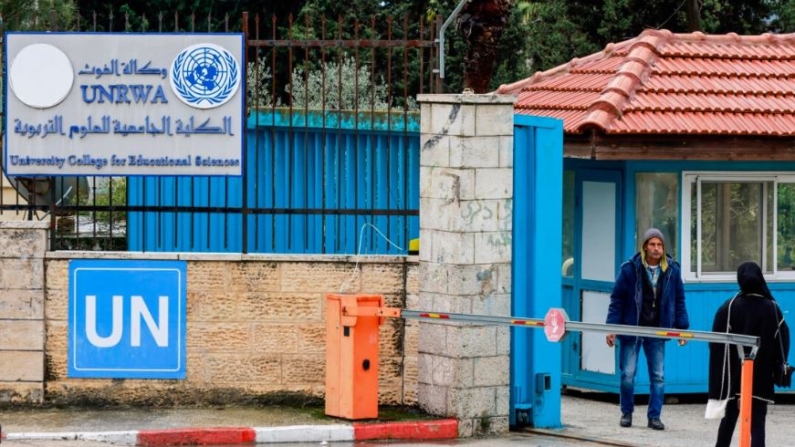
[[205, 76]]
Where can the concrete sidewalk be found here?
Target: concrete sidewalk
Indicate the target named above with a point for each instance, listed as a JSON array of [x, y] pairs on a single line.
[[586, 417], [594, 417]]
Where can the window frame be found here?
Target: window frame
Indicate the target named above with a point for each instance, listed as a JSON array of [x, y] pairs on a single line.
[[693, 179]]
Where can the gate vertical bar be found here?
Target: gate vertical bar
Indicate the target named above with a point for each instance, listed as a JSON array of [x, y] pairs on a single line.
[[290, 146], [247, 160], [435, 74]]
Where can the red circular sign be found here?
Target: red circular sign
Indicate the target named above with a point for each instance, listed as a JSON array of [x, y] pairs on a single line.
[[555, 324]]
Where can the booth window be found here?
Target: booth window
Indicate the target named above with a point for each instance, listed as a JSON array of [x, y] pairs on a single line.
[[657, 205], [739, 217]]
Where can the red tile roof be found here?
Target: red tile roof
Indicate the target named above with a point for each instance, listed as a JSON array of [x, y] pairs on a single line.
[[666, 83]]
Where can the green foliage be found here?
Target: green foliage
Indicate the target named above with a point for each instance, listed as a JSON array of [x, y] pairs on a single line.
[[454, 43], [111, 191], [615, 20], [783, 16], [25, 15], [558, 30], [513, 63], [557, 37], [335, 85], [258, 84], [786, 226], [340, 85]]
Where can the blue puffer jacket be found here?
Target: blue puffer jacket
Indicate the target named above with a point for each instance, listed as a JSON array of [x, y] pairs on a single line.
[[625, 301]]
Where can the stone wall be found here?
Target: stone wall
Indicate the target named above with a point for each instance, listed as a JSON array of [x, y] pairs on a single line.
[[466, 222], [255, 330], [22, 250]]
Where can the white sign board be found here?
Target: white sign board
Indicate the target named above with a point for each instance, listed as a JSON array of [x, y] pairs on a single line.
[[124, 104]]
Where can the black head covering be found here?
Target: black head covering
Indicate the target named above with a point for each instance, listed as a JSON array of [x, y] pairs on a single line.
[[751, 280]]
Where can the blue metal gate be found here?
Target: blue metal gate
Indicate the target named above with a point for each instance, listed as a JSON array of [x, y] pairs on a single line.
[[313, 182], [537, 242]]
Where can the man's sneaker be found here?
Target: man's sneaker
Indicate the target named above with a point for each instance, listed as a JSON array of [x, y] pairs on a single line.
[[626, 420], [656, 424]]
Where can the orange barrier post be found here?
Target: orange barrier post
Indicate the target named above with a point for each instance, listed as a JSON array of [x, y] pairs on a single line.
[[746, 397], [352, 355]]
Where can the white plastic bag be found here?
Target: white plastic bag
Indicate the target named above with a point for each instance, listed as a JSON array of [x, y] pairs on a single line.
[[716, 409]]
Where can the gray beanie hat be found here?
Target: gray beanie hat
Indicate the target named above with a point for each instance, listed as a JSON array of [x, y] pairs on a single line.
[[650, 233]]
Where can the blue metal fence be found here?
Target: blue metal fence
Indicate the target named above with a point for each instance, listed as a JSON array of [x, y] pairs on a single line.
[[314, 180]]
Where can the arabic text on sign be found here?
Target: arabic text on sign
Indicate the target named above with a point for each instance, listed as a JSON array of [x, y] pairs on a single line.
[[165, 125], [127, 68]]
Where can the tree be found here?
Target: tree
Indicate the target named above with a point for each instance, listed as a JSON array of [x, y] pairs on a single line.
[[693, 15], [623, 19], [782, 16], [482, 22], [556, 32]]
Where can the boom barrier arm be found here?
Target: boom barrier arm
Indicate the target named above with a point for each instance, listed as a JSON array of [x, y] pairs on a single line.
[[712, 337]]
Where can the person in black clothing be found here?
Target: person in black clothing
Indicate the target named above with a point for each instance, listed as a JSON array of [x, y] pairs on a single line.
[[753, 311]]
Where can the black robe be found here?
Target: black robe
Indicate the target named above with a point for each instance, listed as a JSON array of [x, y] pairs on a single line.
[[751, 314]]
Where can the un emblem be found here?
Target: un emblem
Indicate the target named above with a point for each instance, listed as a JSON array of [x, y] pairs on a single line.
[[205, 76]]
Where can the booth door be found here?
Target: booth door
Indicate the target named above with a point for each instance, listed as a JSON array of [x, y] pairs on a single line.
[[598, 227]]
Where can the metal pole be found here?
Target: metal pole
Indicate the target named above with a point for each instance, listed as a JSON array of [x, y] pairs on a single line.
[[441, 35], [438, 82], [746, 397], [244, 208]]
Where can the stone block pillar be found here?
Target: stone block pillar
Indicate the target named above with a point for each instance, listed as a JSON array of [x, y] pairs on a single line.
[[466, 204], [23, 245]]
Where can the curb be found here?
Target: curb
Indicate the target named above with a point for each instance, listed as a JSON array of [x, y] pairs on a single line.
[[415, 430], [419, 430]]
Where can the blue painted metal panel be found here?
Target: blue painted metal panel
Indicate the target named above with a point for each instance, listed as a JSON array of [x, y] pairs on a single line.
[[294, 161], [537, 241], [127, 319]]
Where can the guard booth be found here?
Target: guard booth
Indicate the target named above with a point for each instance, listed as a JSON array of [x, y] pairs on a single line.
[[607, 204], [651, 141]]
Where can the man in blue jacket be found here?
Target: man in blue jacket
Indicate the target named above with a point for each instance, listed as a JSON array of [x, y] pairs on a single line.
[[648, 292]]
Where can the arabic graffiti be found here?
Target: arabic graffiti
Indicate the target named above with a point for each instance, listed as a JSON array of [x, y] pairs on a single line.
[[108, 125]]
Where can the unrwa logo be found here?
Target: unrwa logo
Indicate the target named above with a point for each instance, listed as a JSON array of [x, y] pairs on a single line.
[[205, 76]]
